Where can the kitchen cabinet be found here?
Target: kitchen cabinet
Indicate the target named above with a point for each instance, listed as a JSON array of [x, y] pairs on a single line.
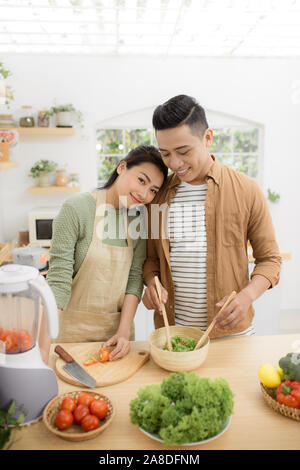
[[254, 424]]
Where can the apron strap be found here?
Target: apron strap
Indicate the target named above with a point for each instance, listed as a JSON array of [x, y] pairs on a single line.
[[100, 213]]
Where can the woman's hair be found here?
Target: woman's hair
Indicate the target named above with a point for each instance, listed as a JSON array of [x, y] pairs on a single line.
[[180, 110], [137, 156]]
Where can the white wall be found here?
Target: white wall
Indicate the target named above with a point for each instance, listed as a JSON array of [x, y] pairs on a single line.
[[257, 90]]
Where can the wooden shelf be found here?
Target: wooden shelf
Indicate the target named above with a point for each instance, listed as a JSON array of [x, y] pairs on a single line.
[[53, 189], [43, 130], [8, 165]]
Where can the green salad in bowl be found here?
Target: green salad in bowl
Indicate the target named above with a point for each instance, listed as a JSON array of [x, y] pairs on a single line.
[[182, 344], [184, 408]]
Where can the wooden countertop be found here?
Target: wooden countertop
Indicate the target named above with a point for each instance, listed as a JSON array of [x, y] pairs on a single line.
[[254, 424], [7, 257]]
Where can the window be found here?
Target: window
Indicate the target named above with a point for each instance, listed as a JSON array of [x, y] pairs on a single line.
[[236, 146], [114, 144]]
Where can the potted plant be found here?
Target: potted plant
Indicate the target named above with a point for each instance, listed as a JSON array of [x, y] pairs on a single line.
[[6, 93], [64, 115], [42, 171], [9, 423]]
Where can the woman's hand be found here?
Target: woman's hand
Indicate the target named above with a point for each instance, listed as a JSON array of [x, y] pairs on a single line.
[[122, 346]]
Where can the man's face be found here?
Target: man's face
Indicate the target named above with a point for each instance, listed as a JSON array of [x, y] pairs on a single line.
[[186, 154]]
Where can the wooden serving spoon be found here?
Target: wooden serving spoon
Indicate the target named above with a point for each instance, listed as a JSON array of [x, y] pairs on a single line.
[[158, 288], [204, 337]]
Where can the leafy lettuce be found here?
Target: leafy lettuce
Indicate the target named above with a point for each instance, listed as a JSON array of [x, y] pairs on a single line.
[[183, 408]]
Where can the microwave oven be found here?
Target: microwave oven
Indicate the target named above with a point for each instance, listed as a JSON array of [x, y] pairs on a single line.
[[40, 220]]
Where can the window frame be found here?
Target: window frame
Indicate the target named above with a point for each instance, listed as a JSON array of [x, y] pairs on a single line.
[[224, 128]]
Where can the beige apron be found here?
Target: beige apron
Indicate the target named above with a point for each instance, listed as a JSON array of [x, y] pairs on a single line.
[[98, 288]]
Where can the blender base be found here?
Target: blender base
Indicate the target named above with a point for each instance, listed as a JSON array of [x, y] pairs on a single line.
[[30, 388]]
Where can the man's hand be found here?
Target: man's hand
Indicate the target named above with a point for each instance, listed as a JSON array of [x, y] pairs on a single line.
[[235, 312], [237, 309], [150, 298]]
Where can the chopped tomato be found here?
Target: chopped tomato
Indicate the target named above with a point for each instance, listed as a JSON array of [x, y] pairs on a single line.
[[25, 339], [16, 340], [103, 355], [90, 362]]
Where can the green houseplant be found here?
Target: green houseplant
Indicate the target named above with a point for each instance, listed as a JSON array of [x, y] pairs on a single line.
[[9, 423], [64, 115], [8, 92], [41, 171], [273, 196]]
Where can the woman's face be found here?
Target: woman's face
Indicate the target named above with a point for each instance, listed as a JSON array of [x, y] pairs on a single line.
[[139, 184]]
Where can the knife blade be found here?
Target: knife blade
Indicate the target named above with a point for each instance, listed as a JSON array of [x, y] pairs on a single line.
[[74, 369]]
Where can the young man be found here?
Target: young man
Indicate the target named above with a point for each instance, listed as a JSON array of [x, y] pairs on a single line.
[[212, 213]]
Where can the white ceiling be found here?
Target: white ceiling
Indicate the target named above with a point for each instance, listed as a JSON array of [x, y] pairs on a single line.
[[190, 28]]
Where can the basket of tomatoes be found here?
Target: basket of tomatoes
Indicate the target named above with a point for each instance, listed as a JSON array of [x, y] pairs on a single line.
[[280, 385], [78, 415]]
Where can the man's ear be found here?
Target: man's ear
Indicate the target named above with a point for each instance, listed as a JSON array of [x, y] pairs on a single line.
[[121, 167], [208, 137]]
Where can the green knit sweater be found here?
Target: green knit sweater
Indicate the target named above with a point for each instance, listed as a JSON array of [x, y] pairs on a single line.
[[71, 237]]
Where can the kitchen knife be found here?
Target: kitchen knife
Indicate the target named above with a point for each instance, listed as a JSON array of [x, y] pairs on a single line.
[[74, 369]]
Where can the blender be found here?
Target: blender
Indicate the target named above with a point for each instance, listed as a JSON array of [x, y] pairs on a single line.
[[24, 377]]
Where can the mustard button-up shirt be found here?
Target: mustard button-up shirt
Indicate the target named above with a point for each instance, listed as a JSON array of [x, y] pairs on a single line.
[[236, 211]]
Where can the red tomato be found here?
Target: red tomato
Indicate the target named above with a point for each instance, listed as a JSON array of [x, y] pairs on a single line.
[[84, 399], [90, 362], [80, 412], [25, 340], [9, 341], [64, 419], [99, 408], [68, 403], [16, 340], [90, 422], [103, 355]]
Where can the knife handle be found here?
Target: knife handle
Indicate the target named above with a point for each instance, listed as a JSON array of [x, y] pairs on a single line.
[[63, 354]]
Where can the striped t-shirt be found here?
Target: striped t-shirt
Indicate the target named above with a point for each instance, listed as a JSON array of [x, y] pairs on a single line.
[[187, 237]]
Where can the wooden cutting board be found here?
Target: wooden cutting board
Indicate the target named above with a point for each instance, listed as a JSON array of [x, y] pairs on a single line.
[[107, 373]]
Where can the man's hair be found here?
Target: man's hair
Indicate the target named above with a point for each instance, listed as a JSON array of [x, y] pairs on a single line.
[[180, 110]]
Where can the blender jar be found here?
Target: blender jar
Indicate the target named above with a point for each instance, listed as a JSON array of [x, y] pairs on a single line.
[[19, 314], [21, 289]]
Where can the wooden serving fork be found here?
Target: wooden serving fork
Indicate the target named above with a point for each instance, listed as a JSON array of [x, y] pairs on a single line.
[[204, 337]]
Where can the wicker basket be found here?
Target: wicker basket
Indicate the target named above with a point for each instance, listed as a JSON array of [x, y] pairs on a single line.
[[177, 361], [287, 411], [75, 432]]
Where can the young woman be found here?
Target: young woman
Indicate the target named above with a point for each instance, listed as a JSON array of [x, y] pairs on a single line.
[[96, 262]]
